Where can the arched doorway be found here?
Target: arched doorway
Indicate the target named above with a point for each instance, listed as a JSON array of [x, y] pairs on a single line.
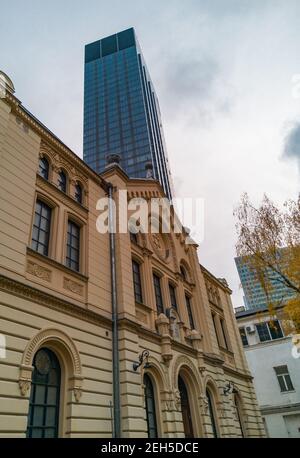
[[44, 396], [238, 410], [150, 407], [185, 408], [212, 412]]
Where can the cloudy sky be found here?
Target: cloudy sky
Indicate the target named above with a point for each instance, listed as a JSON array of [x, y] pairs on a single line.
[[227, 74]]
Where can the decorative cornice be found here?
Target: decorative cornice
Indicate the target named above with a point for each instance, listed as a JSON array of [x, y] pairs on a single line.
[[51, 138], [32, 294], [209, 275], [56, 264], [66, 199]]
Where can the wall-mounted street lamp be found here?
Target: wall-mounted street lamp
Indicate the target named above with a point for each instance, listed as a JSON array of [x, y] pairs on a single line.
[[229, 389], [143, 358]]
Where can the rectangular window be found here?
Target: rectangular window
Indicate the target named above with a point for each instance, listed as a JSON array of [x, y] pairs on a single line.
[[275, 329], [215, 327], [173, 296], [263, 332], [270, 330], [284, 378], [73, 246], [137, 282], [223, 327], [41, 228], [244, 337], [189, 310], [158, 294]]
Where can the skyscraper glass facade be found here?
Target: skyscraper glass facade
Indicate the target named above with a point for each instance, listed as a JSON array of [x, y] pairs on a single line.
[[121, 111], [254, 294]]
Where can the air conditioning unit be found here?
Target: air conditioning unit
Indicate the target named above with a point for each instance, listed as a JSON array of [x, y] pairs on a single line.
[[250, 329]]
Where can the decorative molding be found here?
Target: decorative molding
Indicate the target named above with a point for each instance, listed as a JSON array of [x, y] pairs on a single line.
[[52, 262], [35, 295], [141, 316], [66, 199], [73, 286], [203, 401], [38, 271], [51, 335], [180, 361]]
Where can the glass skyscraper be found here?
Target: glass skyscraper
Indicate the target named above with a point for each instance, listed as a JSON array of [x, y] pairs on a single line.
[[121, 110], [254, 294]]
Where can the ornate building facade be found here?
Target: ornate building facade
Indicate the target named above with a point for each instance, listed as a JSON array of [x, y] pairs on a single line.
[[56, 371]]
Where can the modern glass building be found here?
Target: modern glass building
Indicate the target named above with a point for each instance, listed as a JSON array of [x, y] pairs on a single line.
[[254, 295], [121, 110]]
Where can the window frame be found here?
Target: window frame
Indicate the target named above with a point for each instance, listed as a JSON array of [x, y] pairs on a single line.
[[173, 288], [284, 379], [150, 384], [242, 329], [79, 185], [45, 203], [138, 296], [268, 328], [44, 158], [53, 357], [62, 171], [157, 285], [71, 221], [189, 308]]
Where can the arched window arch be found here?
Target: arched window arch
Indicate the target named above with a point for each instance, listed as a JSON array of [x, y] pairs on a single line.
[[183, 272], [150, 407], [239, 415], [45, 395], [212, 412], [62, 181], [44, 167], [185, 408], [78, 193]]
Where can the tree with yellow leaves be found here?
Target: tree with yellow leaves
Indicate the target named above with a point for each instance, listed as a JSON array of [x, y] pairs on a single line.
[[269, 243]]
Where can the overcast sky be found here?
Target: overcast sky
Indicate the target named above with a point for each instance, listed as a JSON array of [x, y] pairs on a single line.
[[225, 72]]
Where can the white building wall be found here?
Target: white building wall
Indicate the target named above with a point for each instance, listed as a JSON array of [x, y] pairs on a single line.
[[281, 410]]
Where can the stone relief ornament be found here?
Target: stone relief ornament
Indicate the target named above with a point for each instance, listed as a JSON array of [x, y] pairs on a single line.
[[204, 403], [177, 399], [160, 245], [38, 271]]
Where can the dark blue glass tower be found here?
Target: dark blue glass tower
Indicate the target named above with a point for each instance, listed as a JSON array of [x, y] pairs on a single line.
[[121, 110]]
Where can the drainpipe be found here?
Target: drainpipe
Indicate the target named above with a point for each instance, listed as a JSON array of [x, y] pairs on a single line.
[[115, 331]]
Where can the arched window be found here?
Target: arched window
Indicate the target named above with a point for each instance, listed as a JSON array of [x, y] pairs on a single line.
[[150, 407], [44, 168], [62, 181], [183, 272], [44, 396], [237, 405], [78, 193], [211, 410], [185, 409]]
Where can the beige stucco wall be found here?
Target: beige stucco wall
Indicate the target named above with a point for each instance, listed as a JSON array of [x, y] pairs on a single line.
[[44, 303]]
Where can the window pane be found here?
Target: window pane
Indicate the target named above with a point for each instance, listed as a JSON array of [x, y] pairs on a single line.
[[189, 310], [73, 246], [281, 383], [150, 407], [263, 332], [244, 336], [158, 294], [44, 168], [42, 414], [41, 228], [288, 382], [275, 329], [173, 296], [137, 282]]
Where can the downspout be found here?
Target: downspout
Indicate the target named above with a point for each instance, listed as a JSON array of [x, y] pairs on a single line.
[[115, 331]]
